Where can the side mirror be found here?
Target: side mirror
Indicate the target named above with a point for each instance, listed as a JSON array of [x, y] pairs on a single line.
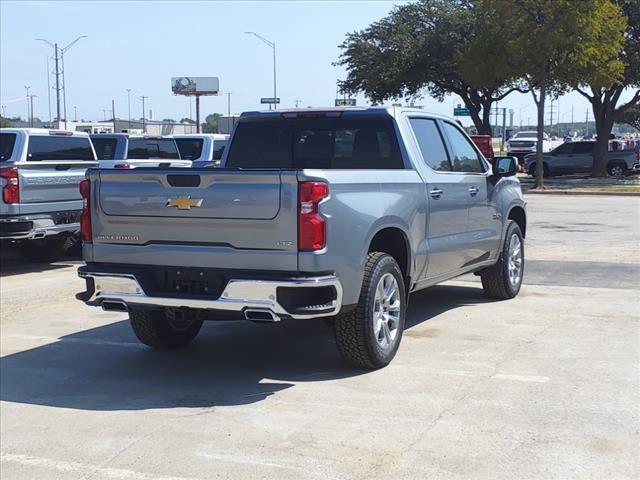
[[504, 166]]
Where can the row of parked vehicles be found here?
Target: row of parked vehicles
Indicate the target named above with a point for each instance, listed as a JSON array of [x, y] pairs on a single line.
[[40, 171]]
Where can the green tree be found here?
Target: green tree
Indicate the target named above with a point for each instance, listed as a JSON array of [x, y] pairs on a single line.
[[425, 46], [210, 124], [631, 116], [604, 96], [187, 120], [5, 122], [168, 120], [558, 43]]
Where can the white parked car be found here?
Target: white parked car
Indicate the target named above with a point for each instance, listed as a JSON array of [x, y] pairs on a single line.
[[525, 142], [203, 148]]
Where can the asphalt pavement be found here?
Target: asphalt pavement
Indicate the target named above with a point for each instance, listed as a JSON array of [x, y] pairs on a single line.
[[542, 386]]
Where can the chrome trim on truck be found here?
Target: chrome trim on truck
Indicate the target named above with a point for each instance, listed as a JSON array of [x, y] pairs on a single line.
[[239, 295], [41, 228]]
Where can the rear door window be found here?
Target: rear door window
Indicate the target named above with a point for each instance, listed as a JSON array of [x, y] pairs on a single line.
[[583, 148], [53, 147], [431, 144], [144, 148], [7, 142], [465, 158], [326, 143], [105, 148], [564, 149], [190, 148]]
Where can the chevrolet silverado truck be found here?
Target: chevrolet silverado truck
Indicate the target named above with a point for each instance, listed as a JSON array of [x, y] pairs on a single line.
[[123, 150], [336, 214], [577, 157], [39, 175]]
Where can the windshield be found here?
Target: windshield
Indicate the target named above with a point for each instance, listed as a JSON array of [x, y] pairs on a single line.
[[7, 142], [190, 148], [328, 143], [105, 148]]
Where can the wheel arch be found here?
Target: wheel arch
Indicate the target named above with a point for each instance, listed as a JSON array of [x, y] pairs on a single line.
[[519, 215], [394, 241]]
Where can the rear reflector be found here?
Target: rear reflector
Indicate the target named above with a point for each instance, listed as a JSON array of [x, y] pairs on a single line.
[[122, 166], [85, 218], [11, 191], [311, 225]]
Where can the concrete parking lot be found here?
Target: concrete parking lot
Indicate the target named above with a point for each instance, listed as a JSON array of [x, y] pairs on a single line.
[[543, 386]]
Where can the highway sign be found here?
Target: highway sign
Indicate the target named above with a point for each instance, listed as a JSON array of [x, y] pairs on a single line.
[[460, 111], [270, 100], [345, 102]]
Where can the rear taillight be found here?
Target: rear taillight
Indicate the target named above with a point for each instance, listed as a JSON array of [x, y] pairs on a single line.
[[11, 191], [122, 166], [311, 225], [85, 218]]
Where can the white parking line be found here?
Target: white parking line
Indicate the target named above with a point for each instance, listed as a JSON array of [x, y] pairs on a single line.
[[81, 468], [522, 378]]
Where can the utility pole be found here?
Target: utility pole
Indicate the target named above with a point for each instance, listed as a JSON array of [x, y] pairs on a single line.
[[504, 128], [197, 113], [586, 121], [31, 101], [113, 111], [75, 113], [28, 110], [551, 115], [144, 123], [4, 111], [572, 120], [59, 61], [104, 114], [129, 106]]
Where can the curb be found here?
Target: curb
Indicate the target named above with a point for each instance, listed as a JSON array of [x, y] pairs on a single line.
[[573, 192]]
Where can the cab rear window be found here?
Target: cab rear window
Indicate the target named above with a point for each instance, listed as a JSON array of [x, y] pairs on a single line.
[[142, 148], [7, 142], [326, 143], [105, 148], [59, 148], [190, 148]]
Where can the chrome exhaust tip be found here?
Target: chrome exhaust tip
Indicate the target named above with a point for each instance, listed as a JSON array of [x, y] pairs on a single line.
[[260, 315], [113, 306]]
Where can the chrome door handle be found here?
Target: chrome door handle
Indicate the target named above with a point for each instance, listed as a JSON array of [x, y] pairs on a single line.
[[435, 193], [473, 191]]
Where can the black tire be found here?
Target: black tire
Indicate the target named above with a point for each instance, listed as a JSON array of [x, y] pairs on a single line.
[[45, 249], [545, 170], [617, 169], [495, 279], [355, 331], [156, 328]]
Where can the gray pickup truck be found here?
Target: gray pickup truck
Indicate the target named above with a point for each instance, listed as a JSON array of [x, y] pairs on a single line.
[[339, 213], [123, 150], [577, 157], [39, 175]]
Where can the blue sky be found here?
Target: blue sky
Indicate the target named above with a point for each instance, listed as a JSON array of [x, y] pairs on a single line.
[[141, 45]]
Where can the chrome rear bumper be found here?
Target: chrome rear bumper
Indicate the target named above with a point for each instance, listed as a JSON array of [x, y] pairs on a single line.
[[238, 296], [33, 227]]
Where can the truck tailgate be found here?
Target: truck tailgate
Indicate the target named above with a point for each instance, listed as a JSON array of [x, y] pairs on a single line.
[[155, 211], [49, 182]]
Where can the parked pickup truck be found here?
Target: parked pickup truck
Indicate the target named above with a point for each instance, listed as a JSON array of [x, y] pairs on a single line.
[[122, 150], [525, 142], [337, 214], [39, 175], [577, 157], [203, 149]]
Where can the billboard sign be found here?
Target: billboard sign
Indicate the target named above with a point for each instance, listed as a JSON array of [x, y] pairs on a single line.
[[195, 85], [270, 100]]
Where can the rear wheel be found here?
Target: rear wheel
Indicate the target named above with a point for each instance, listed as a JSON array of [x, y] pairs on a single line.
[[504, 279], [161, 329], [545, 170], [44, 249], [370, 335]]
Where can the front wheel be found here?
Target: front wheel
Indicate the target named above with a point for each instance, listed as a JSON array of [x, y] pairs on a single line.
[[161, 329], [545, 170], [370, 335], [504, 279], [617, 170]]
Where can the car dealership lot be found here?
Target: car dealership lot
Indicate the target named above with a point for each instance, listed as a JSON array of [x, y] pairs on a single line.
[[543, 386]]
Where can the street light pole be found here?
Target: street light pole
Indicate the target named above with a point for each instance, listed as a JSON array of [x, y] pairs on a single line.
[[75, 113], [31, 101], [273, 47]]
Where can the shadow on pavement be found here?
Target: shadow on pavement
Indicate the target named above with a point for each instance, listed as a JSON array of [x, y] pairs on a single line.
[[13, 263], [230, 363]]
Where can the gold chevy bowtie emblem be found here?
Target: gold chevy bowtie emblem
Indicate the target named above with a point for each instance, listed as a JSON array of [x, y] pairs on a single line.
[[184, 203]]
